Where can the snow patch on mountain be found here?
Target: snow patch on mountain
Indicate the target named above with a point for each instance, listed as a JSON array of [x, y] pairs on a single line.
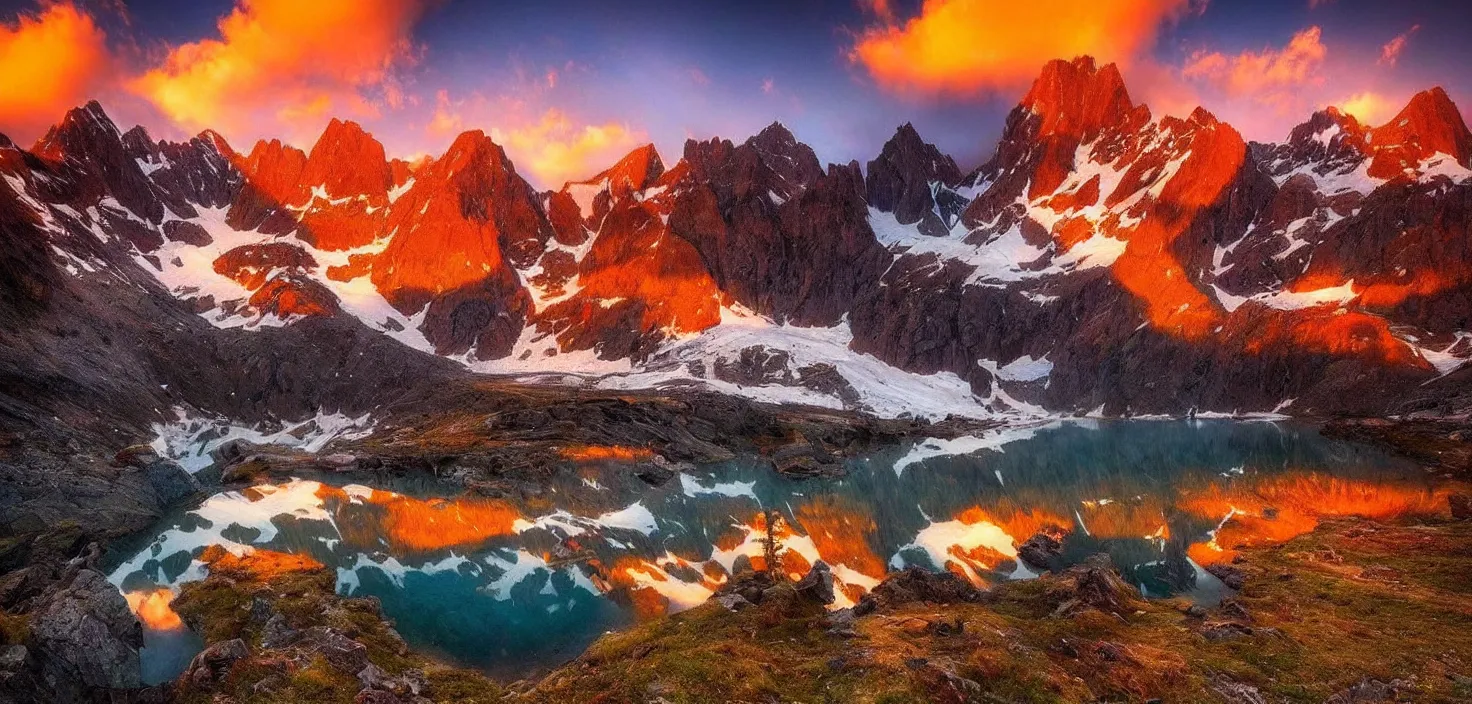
[[190, 439]]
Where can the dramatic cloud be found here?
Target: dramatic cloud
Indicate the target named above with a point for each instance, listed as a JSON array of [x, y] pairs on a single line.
[[1390, 53], [49, 63], [1271, 77], [968, 47], [284, 65], [446, 119], [1369, 108], [554, 149]]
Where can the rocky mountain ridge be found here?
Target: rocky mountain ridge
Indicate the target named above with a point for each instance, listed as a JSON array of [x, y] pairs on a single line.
[[1102, 261]]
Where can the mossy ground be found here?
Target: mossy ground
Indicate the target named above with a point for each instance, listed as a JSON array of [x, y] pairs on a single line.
[[1353, 600], [1350, 601], [220, 608]]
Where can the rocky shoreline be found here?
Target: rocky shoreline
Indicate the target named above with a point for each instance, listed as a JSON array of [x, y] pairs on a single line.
[[70, 636], [504, 439], [1356, 611]]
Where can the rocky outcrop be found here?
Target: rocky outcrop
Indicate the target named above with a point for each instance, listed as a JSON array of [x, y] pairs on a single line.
[[1429, 125], [914, 180], [85, 633], [776, 233], [454, 230]]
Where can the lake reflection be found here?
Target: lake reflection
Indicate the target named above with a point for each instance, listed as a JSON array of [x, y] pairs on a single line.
[[512, 586]]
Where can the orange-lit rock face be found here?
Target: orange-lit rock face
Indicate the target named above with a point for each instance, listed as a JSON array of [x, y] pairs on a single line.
[[453, 233], [1336, 332], [1430, 124], [272, 181], [1149, 268], [638, 284], [411, 524], [450, 225], [287, 296], [1075, 102], [1275, 509], [596, 453], [252, 265], [344, 189], [154, 609]]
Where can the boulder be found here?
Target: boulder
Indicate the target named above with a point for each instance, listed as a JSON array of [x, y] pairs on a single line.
[[1040, 550], [1229, 575], [86, 631], [817, 584], [919, 585], [341, 652], [170, 482], [213, 663], [1093, 584], [1461, 505]]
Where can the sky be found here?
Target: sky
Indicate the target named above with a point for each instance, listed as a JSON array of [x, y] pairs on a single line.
[[567, 87]]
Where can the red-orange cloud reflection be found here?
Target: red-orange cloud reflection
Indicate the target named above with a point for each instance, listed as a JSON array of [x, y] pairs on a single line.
[[841, 531], [49, 63], [155, 609], [596, 453], [971, 46], [408, 523], [1278, 508]]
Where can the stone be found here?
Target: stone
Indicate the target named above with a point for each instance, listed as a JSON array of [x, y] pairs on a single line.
[[817, 585], [277, 634], [1461, 505], [733, 602], [1040, 550], [340, 651], [214, 662], [1231, 576], [654, 474], [86, 629], [170, 482], [919, 585], [1369, 691]]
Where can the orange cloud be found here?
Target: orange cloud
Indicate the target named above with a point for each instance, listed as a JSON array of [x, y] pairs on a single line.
[[965, 47], [1390, 53], [1271, 76], [49, 63], [286, 64], [446, 119], [554, 150], [1368, 107]]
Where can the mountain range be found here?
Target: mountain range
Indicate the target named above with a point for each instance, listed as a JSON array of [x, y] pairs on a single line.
[[1103, 261]]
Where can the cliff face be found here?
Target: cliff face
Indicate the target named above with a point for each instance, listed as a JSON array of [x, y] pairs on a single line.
[[1102, 259]]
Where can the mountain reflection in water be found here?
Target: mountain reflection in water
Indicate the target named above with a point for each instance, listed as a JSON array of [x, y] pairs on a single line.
[[512, 585]]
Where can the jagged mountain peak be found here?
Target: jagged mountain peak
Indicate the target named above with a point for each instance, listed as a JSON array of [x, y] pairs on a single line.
[[218, 141], [910, 178], [1078, 97], [469, 146], [1434, 120], [1428, 125], [637, 170], [348, 161], [83, 125]]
